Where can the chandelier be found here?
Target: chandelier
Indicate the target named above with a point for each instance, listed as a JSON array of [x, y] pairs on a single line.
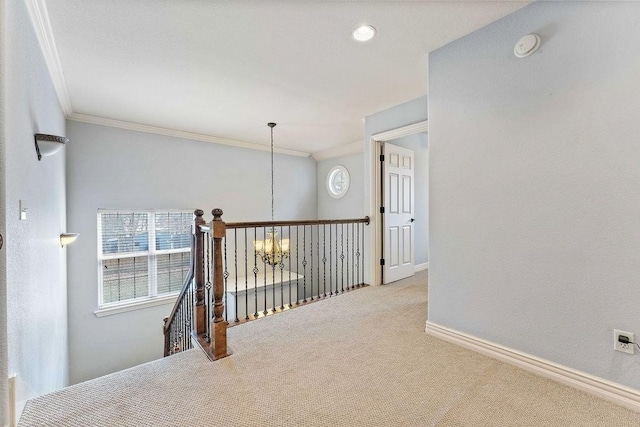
[[272, 250]]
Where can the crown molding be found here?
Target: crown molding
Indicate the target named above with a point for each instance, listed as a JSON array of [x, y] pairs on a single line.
[[40, 19], [39, 16], [84, 118], [342, 150]]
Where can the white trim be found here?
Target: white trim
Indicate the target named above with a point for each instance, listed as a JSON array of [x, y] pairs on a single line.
[[13, 407], [84, 118], [342, 150], [421, 267], [412, 129], [374, 186], [608, 390], [42, 25], [136, 305]]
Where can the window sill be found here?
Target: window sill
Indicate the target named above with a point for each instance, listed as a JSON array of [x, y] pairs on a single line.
[[136, 305]]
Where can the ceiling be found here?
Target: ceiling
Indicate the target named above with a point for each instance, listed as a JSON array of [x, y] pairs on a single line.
[[226, 68]]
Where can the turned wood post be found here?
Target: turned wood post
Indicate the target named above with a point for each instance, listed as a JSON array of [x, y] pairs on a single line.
[[219, 339], [198, 260]]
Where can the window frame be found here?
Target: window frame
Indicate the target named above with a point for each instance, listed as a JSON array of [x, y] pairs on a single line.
[[152, 254]]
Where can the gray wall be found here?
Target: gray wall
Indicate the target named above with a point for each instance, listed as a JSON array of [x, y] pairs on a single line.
[[36, 264], [410, 112], [352, 204], [534, 185], [4, 355], [115, 168], [419, 143]]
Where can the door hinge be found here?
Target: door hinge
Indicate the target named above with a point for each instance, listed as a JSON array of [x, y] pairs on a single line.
[[381, 261], [381, 209], [382, 157]]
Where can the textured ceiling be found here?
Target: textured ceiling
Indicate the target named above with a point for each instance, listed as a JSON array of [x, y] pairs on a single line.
[[226, 68]]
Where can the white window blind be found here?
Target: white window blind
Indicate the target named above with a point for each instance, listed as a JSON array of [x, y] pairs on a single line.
[[142, 254]]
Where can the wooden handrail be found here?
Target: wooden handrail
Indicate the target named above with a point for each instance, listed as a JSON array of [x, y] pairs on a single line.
[[259, 224], [185, 287]]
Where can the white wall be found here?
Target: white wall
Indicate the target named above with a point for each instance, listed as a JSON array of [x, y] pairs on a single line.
[[36, 264], [115, 168], [419, 143], [352, 204], [535, 185], [410, 112]]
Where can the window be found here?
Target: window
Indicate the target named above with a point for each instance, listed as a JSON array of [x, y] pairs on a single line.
[[142, 254], [338, 181]]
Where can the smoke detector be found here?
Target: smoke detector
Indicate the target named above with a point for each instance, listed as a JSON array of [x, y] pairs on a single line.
[[527, 45]]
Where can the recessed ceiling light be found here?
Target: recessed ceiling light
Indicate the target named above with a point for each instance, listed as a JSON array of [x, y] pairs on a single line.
[[364, 33]]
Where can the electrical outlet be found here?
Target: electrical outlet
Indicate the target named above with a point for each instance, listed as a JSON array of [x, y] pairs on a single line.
[[620, 346]]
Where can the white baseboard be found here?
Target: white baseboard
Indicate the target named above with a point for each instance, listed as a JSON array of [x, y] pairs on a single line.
[[13, 419], [608, 390], [420, 267]]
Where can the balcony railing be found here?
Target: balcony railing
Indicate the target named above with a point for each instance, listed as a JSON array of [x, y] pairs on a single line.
[[244, 271]]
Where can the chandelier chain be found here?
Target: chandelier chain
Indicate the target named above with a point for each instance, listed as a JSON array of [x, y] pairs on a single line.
[[272, 198]]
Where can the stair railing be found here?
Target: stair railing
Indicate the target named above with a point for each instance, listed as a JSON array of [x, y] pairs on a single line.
[[197, 313], [246, 270]]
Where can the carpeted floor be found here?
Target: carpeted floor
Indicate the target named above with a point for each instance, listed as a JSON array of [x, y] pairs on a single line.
[[361, 359]]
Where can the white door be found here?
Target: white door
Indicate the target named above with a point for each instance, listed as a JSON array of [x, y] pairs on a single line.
[[398, 168]]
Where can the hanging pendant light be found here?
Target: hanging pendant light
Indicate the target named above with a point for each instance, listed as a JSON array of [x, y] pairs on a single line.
[[272, 250]]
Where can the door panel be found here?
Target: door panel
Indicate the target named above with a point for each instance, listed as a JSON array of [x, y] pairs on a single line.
[[393, 243], [399, 211], [394, 192]]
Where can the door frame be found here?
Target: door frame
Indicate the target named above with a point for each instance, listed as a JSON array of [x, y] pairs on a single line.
[[375, 186]]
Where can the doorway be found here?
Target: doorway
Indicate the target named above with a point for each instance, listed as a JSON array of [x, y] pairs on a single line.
[[381, 237]]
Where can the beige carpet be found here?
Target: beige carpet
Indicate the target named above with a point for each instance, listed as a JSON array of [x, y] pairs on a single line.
[[360, 359]]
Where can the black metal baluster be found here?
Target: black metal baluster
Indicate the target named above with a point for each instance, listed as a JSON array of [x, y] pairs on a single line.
[[281, 273], [330, 262], [341, 256], [353, 257], [264, 269], [290, 305], [255, 274], [318, 252], [235, 255], [324, 259], [362, 253], [297, 265], [311, 270], [264, 266], [337, 279], [348, 286], [246, 279], [358, 255], [273, 283], [225, 274], [304, 263]]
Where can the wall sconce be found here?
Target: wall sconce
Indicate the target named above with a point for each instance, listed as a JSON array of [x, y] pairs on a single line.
[[67, 238], [47, 145]]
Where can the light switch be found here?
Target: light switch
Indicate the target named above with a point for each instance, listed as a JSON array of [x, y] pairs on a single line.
[[23, 210]]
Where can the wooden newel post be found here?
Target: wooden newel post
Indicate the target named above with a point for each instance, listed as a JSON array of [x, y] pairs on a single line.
[[219, 341], [198, 266]]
